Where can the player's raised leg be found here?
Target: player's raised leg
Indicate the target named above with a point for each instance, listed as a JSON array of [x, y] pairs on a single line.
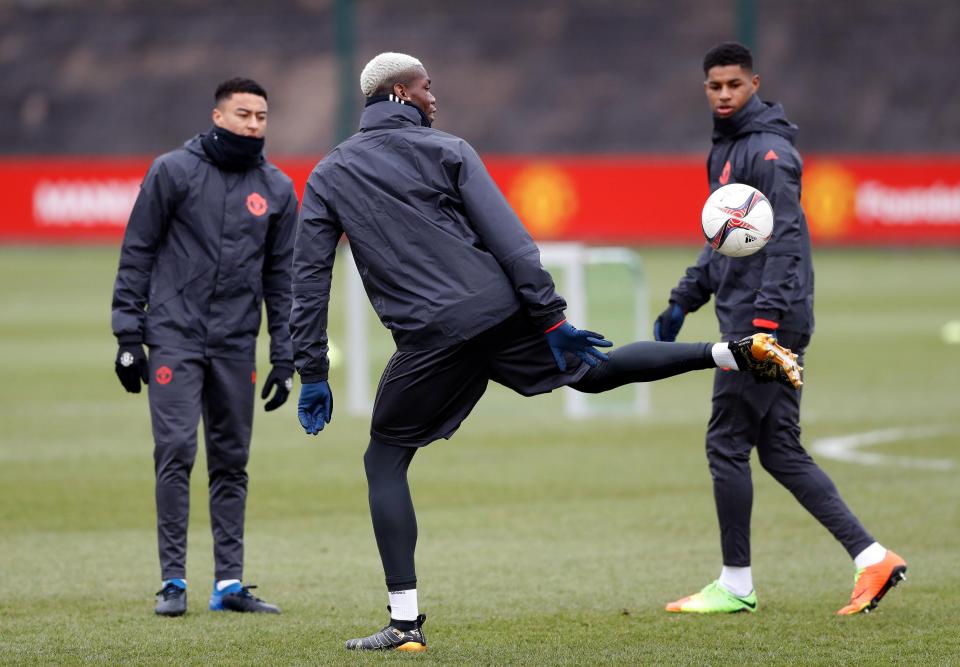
[[647, 361]]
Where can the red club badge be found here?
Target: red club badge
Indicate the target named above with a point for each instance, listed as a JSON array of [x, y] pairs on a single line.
[[725, 176], [164, 375], [256, 204]]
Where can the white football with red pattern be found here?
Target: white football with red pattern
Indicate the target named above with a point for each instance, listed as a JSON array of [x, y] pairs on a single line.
[[737, 220]]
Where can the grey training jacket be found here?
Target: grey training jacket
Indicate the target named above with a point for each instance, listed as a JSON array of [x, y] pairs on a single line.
[[441, 254], [755, 146], [202, 249]]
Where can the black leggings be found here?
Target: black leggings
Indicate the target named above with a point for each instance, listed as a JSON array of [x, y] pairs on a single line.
[[391, 508], [645, 361]]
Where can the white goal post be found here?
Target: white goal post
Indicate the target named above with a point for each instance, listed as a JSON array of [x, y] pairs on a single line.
[[572, 260]]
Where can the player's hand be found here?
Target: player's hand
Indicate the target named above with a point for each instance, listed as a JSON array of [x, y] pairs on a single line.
[[132, 367], [763, 325], [280, 377], [668, 323], [315, 408], [566, 338]]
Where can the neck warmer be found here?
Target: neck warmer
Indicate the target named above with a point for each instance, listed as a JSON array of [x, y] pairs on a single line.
[[232, 152], [424, 119]]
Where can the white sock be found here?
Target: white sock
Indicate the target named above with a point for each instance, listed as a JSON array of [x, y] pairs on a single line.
[[870, 556], [723, 357], [223, 583], [737, 580], [403, 605]]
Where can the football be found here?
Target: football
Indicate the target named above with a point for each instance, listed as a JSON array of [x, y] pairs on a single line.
[[737, 220]]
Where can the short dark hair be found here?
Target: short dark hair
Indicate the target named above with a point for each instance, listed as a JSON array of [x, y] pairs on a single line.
[[238, 85], [728, 53]]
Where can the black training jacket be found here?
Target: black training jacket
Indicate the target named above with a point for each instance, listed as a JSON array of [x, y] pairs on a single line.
[[755, 146], [441, 254], [202, 249]]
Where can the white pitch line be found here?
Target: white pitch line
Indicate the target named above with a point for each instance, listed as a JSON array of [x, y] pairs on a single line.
[[846, 448]]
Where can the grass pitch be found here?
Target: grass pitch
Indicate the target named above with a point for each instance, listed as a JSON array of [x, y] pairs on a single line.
[[542, 540]]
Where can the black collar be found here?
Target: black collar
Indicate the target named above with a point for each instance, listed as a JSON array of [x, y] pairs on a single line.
[[232, 152], [377, 99]]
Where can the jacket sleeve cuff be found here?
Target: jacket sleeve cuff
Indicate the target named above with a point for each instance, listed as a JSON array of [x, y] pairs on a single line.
[[684, 305], [549, 321], [555, 326], [130, 339], [312, 378]]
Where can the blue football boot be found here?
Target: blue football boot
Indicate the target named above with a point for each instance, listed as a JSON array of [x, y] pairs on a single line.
[[237, 597]]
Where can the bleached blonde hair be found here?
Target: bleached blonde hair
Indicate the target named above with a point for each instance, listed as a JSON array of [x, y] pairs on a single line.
[[385, 68]]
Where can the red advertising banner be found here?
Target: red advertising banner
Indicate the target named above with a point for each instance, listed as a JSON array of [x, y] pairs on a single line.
[[850, 200]]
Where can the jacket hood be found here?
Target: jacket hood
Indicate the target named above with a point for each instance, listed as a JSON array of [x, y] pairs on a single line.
[[755, 116], [389, 115], [194, 146]]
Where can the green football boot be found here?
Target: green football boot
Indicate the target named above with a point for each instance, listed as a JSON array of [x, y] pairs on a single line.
[[714, 599]]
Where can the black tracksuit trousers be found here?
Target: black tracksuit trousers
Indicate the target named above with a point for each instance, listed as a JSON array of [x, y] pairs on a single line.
[[386, 463], [183, 386], [748, 414]]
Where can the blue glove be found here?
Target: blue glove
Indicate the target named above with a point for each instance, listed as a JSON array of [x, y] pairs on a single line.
[[564, 337], [315, 408], [668, 323]]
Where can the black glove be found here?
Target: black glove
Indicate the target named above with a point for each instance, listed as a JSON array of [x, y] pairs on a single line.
[[668, 323], [132, 367], [280, 377]]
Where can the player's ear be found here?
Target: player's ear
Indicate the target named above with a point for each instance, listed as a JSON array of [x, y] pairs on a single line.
[[400, 91], [756, 82]]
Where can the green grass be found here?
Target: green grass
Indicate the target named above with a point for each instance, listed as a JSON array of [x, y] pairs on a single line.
[[542, 541]]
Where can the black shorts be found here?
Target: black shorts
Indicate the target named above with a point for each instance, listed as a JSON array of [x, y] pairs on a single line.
[[425, 395]]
